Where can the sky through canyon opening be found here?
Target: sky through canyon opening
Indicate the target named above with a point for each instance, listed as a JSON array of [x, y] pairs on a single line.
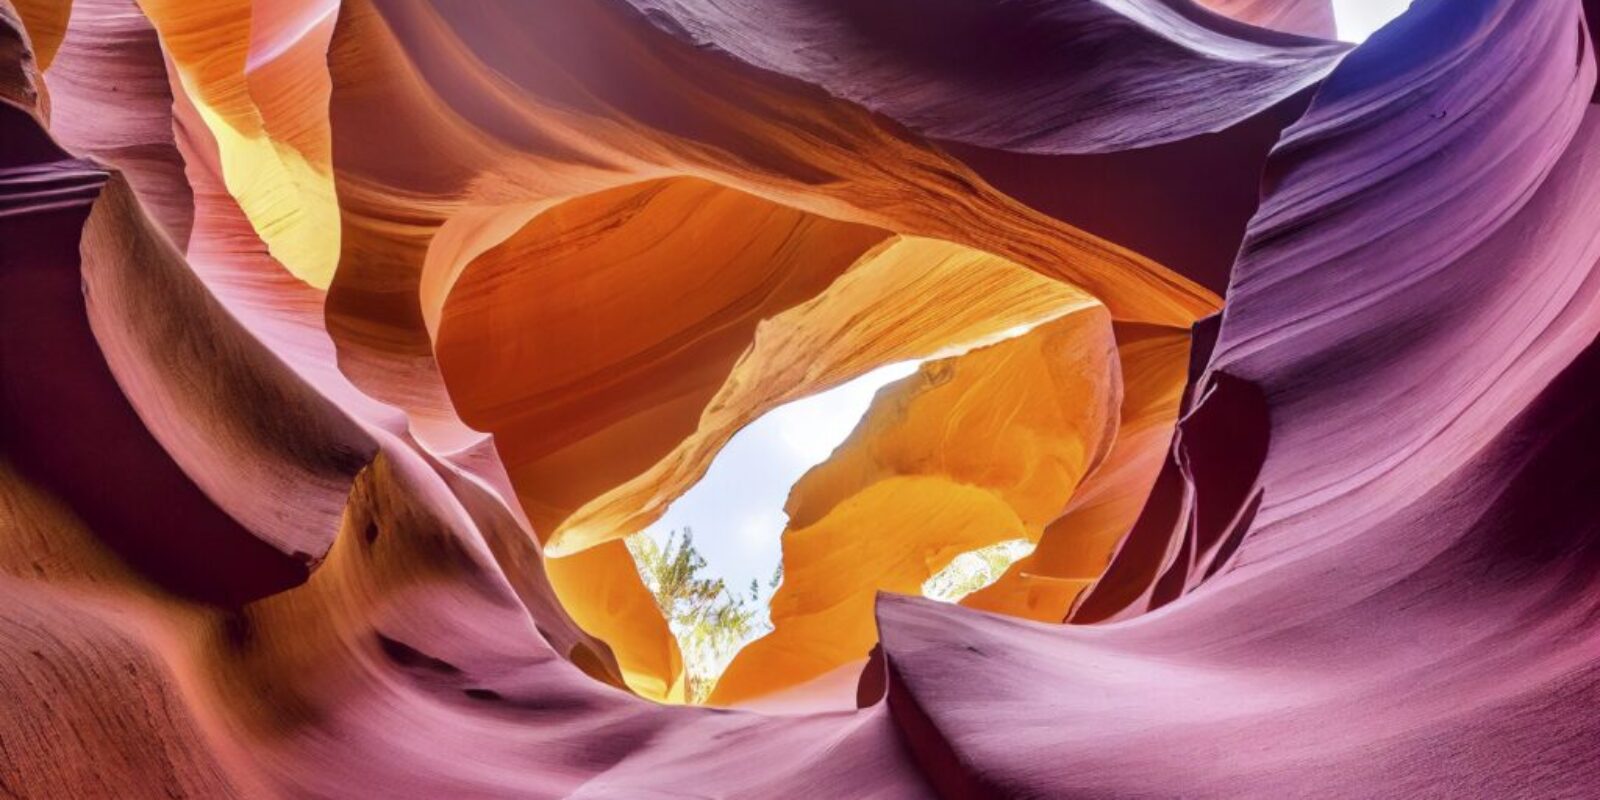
[[727, 528]]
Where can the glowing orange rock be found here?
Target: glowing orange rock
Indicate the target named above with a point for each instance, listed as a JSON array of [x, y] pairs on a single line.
[[46, 23], [1075, 547], [589, 341], [972, 450], [907, 298], [610, 397], [256, 74], [601, 589]]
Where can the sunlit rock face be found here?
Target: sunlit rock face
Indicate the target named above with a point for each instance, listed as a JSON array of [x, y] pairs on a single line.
[[343, 343]]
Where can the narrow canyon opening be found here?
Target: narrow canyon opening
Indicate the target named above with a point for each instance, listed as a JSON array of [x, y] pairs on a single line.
[[714, 559], [726, 381]]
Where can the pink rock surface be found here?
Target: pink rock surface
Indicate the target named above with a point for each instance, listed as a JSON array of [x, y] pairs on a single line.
[[1038, 77], [1403, 610], [247, 549], [1305, 17]]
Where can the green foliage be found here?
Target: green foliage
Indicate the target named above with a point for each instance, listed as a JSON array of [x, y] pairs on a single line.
[[974, 570], [710, 621]]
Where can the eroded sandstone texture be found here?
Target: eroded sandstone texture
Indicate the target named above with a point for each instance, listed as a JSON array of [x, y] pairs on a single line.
[[342, 342]]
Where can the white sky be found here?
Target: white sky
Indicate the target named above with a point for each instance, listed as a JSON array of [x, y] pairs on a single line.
[[1357, 19], [736, 510]]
